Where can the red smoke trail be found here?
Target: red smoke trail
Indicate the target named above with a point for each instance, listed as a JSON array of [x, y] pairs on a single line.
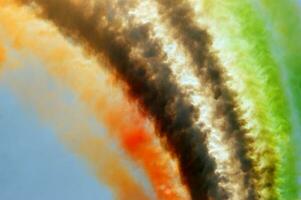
[[123, 120], [138, 141], [71, 124], [2, 55], [141, 64]]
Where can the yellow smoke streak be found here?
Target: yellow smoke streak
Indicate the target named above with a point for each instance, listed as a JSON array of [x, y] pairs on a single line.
[[93, 85]]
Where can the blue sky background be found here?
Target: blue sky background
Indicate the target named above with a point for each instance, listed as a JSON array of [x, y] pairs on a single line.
[[34, 165]]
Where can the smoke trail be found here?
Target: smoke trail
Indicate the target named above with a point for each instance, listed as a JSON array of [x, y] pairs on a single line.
[[2, 54], [244, 50], [92, 148], [197, 41], [284, 31], [149, 82], [90, 83], [71, 123], [228, 167]]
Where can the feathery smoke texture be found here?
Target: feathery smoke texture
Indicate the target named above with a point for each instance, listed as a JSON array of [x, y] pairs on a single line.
[[250, 57], [197, 42], [64, 61], [150, 82], [285, 47], [217, 81]]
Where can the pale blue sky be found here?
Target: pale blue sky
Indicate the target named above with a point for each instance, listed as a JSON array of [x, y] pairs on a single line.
[[34, 165]]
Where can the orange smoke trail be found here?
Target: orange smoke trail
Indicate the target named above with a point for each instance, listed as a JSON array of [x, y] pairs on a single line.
[[71, 123], [91, 148], [94, 86], [2, 54], [139, 142]]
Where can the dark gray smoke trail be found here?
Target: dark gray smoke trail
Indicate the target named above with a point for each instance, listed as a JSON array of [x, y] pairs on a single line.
[[197, 42], [149, 81]]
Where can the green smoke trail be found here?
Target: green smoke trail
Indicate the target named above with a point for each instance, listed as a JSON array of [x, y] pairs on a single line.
[[238, 28], [283, 22]]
